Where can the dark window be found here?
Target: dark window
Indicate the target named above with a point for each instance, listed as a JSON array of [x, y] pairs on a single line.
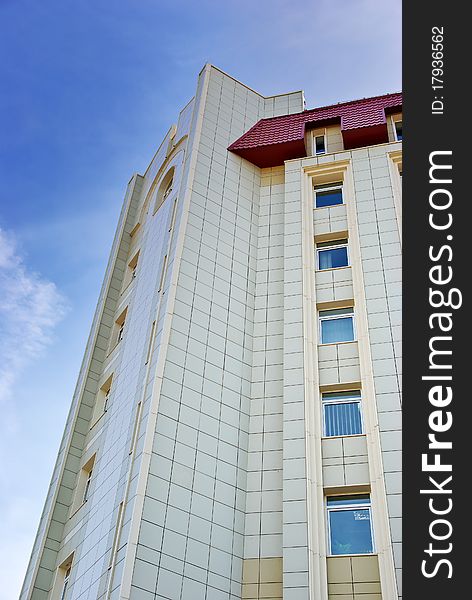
[[320, 144], [399, 130], [332, 255], [168, 190]]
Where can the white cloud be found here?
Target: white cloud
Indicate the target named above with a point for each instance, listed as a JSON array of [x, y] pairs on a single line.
[[30, 308]]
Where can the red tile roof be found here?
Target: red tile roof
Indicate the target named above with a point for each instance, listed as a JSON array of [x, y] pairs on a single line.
[[272, 141]]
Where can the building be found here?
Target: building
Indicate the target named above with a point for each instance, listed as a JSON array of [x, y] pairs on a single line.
[[235, 430]]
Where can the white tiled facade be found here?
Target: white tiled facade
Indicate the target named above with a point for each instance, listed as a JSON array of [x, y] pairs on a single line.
[[210, 471]]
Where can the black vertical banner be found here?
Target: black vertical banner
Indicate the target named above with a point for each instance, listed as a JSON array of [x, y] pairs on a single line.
[[437, 281]]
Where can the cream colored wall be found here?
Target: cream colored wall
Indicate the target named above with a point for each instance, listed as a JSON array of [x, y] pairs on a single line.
[[354, 578], [235, 471], [196, 488], [333, 137], [369, 197], [284, 104], [345, 461], [350, 464], [262, 579]]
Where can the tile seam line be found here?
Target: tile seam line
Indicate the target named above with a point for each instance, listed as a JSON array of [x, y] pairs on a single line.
[[150, 427]]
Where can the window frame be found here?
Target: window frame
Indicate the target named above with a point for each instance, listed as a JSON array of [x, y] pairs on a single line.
[[62, 579], [87, 471], [165, 188], [65, 582], [395, 120], [344, 508], [338, 185], [121, 330], [347, 401], [343, 243], [118, 330], [168, 190], [83, 483], [173, 214], [325, 143], [106, 399], [163, 273], [102, 399], [332, 317], [88, 481], [133, 265]]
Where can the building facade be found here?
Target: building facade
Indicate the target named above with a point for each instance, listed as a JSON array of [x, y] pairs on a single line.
[[235, 430]]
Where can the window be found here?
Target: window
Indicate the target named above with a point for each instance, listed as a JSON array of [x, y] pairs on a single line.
[[119, 328], [151, 341], [65, 585], [84, 481], [130, 272], [336, 325], [87, 485], [165, 189], [133, 265], [61, 588], [332, 255], [320, 144], [120, 331], [398, 127], [328, 195], [342, 413], [163, 273], [82, 488], [105, 403], [349, 525], [116, 536], [102, 399], [172, 217]]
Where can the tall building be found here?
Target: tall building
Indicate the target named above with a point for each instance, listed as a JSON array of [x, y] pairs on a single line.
[[235, 430]]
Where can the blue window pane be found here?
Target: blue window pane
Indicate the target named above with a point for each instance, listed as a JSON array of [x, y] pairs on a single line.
[[351, 499], [332, 258], [343, 419], [328, 198], [337, 330], [350, 531]]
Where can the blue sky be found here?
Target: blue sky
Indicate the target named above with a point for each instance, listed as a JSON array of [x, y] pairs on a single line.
[[87, 91]]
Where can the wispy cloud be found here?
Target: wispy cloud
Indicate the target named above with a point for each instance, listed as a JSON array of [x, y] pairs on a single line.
[[30, 308]]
